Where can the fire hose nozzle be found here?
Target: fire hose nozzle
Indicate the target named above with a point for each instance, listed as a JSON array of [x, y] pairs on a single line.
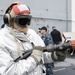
[[73, 44]]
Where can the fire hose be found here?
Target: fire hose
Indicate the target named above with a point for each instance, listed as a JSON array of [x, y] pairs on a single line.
[[49, 48]]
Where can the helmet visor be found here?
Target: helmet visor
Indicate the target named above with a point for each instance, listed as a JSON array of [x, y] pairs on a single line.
[[22, 20]]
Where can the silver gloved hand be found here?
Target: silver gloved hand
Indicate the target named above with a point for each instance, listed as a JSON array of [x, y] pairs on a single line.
[[37, 54]]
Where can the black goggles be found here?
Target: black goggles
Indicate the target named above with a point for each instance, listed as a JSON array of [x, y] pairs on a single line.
[[22, 20]]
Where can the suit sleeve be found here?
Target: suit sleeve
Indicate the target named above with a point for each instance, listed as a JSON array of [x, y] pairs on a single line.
[[9, 67]]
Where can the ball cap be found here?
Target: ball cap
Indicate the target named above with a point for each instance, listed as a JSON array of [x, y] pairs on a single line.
[[43, 28]]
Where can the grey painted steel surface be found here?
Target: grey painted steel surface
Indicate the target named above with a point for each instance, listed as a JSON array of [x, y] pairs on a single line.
[[45, 13], [66, 67]]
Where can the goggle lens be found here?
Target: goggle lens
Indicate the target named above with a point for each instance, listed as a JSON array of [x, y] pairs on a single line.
[[24, 21]]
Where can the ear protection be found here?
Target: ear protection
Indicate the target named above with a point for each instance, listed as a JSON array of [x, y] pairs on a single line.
[[7, 16]]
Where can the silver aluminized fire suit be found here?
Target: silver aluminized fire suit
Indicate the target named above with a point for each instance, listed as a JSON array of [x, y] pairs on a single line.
[[9, 52]]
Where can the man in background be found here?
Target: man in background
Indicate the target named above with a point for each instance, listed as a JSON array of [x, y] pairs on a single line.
[[56, 35], [45, 36], [47, 40]]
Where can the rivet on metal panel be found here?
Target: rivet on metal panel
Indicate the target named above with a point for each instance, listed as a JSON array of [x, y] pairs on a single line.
[[46, 9], [1, 10]]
